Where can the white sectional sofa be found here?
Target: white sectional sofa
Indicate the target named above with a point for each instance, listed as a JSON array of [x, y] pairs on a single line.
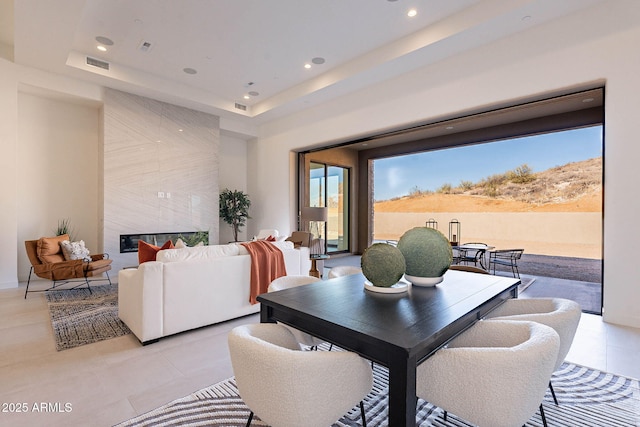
[[192, 287]]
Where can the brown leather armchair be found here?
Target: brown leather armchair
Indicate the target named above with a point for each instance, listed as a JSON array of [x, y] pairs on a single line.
[[48, 262]]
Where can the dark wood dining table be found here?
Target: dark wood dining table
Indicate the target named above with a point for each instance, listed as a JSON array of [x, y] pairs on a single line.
[[398, 331]]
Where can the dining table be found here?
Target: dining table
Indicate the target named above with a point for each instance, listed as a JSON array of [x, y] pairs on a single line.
[[397, 330], [480, 249]]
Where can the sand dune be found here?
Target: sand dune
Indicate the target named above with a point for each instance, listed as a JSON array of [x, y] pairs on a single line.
[[437, 202]]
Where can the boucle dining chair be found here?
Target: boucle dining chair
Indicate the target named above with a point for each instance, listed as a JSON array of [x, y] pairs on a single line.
[[286, 282], [285, 386], [494, 374], [468, 268], [561, 314], [343, 270]]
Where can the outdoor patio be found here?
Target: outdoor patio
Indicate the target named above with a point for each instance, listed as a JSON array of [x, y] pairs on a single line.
[[578, 279]]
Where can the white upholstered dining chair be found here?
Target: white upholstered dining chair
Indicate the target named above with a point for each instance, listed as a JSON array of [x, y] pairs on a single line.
[[561, 314], [288, 387], [286, 282], [495, 374]]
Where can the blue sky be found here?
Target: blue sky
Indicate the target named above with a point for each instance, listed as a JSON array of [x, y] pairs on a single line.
[[397, 176]]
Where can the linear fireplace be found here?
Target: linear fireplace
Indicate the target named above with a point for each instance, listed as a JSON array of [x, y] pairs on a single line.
[[129, 242]]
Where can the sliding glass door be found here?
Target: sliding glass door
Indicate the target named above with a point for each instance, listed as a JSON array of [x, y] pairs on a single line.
[[329, 188]]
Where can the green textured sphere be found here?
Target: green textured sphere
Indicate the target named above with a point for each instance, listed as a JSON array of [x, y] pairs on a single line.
[[382, 264], [426, 251]]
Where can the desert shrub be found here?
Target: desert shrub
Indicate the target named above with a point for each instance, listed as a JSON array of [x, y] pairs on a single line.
[[444, 189], [522, 174], [491, 190], [495, 180], [416, 191], [465, 185]]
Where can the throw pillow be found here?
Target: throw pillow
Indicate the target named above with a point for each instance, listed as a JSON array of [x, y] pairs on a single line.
[[49, 250], [75, 250], [147, 252], [180, 244]]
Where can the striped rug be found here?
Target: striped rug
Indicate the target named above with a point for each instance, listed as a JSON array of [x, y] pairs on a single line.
[[587, 397]]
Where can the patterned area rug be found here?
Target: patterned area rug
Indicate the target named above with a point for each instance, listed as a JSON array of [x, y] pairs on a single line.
[[80, 317], [587, 397]]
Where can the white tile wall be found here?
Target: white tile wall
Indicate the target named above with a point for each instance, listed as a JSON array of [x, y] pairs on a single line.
[[151, 147]]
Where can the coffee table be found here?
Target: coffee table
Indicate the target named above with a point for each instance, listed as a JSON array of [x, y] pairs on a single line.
[[396, 330]]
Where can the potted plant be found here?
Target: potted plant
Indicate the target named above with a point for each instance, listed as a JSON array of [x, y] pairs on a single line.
[[234, 209]]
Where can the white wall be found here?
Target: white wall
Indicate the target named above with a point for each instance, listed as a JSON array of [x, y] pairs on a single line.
[[8, 168], [233, 175], [57, 158], [596, 45]]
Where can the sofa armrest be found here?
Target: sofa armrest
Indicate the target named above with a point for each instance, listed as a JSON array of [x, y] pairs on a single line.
[[140, 300]]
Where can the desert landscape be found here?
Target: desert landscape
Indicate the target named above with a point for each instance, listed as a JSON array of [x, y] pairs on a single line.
[[556, 212]]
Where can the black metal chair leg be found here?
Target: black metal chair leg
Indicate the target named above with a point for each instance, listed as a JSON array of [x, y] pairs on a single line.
[[553, 393], [445, 416], [250, 418], [364, 418], [544, 419], [28, 281]]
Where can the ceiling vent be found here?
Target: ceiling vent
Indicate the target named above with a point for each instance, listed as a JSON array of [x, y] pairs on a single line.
[[97, 63], [145, 46], [241, 107]]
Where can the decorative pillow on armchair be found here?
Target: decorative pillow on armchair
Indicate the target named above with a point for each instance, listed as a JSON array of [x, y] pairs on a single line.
[[75, 250], [147, 252]]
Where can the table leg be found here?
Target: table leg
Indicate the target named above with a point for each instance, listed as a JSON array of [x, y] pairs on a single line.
[[402, 391]]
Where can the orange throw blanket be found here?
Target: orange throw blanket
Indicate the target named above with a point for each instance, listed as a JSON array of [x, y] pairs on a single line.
[[267, 264]]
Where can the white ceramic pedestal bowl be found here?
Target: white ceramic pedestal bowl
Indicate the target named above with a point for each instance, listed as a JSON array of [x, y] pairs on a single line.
[[423, 281]]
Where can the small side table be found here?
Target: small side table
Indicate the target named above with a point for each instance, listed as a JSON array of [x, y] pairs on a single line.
[[314, 266]]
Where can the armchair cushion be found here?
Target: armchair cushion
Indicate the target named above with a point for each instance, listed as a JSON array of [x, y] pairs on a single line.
[[49, 250]]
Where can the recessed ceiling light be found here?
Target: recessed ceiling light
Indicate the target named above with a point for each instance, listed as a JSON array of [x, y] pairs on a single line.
[[587, 100], [179, 130], [190, 70], [246, 97], [318, 60], [101, 48], [307, 66], [104, 40], [412, 13], [526, 18], [449, 127], [254, 93]]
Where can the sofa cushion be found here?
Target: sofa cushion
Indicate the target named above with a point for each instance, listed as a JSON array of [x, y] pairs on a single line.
[[49, 249], [147, 252], [75, 250], [198, 252]]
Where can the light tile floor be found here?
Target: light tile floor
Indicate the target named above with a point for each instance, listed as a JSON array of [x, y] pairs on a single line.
[[111, 381]]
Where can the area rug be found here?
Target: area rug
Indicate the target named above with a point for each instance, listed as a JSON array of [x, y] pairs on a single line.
[[80, 317], [587, 397]]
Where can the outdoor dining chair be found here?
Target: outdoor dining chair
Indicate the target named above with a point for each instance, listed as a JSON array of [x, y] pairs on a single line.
[[506, 257]]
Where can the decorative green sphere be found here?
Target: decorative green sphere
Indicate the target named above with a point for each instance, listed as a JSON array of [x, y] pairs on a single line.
[[426, 251], [382, 264]]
